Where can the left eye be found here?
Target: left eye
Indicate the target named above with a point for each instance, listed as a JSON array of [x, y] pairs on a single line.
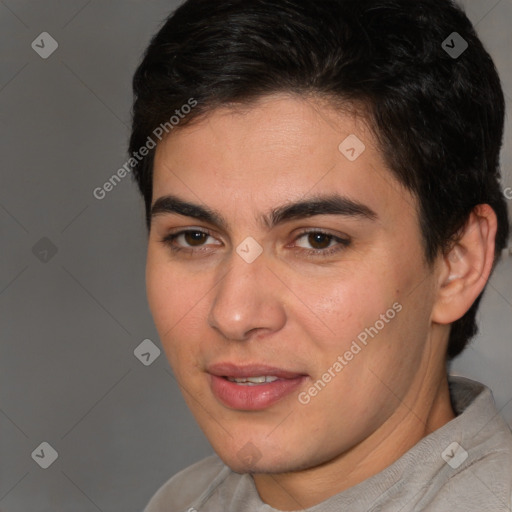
[[318, 240]]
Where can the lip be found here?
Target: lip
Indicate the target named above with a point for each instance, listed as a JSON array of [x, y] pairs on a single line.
[[255, 397]]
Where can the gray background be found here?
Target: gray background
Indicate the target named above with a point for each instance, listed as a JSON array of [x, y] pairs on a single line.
[[70, 321]]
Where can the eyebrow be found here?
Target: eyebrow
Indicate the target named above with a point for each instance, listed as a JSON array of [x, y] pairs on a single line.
[[332, 204]]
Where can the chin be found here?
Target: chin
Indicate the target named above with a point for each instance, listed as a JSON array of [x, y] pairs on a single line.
[[259, 467], [249, 459]]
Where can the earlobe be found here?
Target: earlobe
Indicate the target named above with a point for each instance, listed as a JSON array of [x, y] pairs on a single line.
[[465, 269]]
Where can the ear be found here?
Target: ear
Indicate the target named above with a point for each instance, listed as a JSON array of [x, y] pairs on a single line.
[[465, 269]]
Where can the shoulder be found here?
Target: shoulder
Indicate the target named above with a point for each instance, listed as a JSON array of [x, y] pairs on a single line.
[[189, 485], [478, 470], [482, 484]]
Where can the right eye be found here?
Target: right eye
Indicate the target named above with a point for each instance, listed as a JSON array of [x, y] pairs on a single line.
[[187, 240]]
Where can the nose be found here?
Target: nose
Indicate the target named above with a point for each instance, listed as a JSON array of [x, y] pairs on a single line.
[[247, 301]]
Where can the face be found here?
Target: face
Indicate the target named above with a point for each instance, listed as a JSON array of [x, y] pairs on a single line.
[[281, 254]]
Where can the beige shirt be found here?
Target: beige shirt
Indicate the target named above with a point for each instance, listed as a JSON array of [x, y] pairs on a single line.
[[465, 466]]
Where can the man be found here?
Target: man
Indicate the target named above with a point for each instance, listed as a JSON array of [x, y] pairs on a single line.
[[322, 195]]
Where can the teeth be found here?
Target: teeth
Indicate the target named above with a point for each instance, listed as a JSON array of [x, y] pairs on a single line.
[[253, 381]]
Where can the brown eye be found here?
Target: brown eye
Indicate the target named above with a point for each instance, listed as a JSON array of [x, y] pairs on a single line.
[[320, 243], [319, 240], [195, 238], [189, 240]]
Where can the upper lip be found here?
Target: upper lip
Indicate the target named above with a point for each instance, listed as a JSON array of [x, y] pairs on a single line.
[[250, 370]]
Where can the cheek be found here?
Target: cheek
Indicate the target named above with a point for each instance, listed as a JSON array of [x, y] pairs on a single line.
[[339, 308], [364, 319], [175, 303]]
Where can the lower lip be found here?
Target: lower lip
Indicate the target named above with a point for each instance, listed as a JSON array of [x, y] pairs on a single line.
[[255, 397]]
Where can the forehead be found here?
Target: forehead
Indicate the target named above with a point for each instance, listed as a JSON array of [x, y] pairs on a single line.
[[280, 125], [279, 149]]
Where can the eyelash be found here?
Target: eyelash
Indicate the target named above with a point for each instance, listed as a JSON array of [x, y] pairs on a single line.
[[342, 243]]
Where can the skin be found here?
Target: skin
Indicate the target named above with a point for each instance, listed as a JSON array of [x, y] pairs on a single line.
[[300, 312]]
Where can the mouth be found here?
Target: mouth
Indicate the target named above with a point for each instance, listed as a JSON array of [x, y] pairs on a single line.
[[252, 387], [253, 381]]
